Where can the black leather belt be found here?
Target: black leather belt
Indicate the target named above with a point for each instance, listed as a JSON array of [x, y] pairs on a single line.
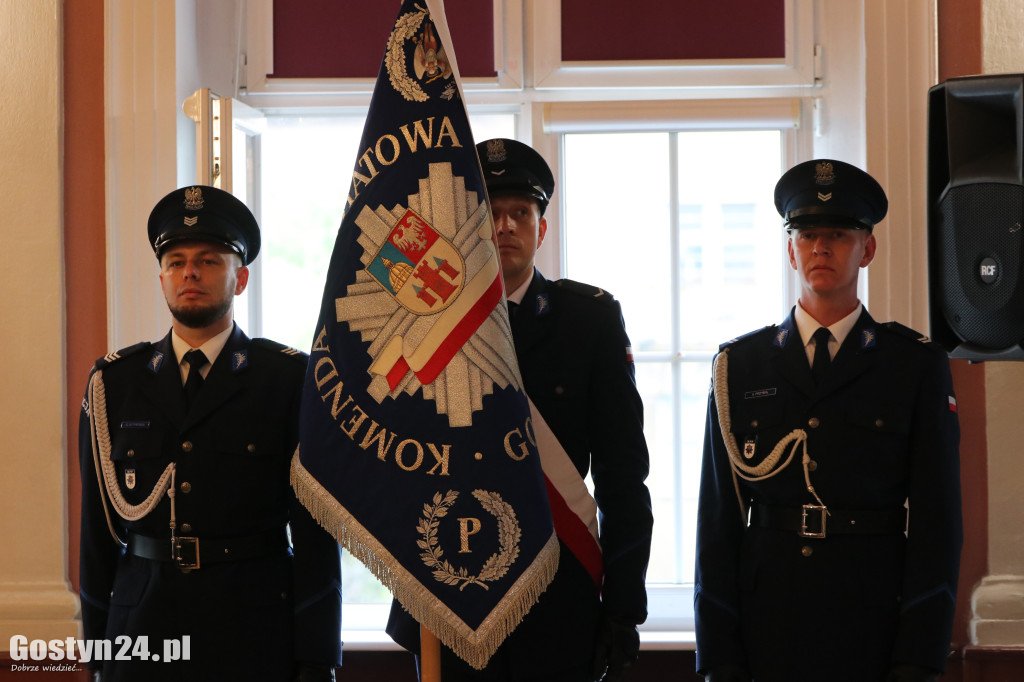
[[184, 551], [813, 521]]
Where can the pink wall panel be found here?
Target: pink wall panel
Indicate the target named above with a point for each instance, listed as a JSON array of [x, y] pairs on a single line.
[[601, 30], [347, 39]]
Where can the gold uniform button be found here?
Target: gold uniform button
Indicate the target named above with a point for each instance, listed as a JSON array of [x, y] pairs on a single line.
[[186, 528], [559, 390], [812, 465], [753, 424], [251, 448], [814, 422], [131, 453], [186, 487], [879, 423], [807, 550], [187, 446]]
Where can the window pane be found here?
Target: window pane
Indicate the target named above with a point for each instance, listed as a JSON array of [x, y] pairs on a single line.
[[740, 288], [682, 228], [306, 171], [617, 214]]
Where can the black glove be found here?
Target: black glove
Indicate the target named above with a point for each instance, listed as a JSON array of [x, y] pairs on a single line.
[[618, 645], [313, 672], [730, 672], [911, 673]]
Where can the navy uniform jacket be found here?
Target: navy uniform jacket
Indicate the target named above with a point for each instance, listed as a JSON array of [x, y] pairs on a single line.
[[572, 347], [881, 430], [248, 619]]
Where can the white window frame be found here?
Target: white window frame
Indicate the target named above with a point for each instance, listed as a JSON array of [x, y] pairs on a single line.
[[263, 92], [551, 73]]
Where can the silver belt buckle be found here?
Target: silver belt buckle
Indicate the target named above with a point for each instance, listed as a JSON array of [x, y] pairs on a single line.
[[185, 552], [822, 513]]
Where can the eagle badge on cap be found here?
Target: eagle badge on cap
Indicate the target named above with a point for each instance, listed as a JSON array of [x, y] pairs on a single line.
[[496, 151], [193, 198], [824, 173]]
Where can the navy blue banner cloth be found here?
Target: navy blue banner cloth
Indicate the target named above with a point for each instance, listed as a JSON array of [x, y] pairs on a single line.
[[417, 448]]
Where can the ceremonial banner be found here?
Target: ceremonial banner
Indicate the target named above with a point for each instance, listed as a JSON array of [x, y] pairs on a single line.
[[417, 448]]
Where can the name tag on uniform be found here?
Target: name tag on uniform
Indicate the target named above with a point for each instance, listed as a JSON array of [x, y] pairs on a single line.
[[134, 425], [760, 393]]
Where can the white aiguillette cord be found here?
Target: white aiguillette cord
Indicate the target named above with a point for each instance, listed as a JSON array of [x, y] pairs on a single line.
[[106, 473], [767, 468]]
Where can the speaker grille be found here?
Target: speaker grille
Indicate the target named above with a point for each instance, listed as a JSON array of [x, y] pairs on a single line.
[[978, 222]]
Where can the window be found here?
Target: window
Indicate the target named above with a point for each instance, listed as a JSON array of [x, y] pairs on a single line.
[[681, 227], [691, 246]]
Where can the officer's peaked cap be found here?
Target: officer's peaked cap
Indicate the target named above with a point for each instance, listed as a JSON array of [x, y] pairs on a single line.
[[511, 167], [829, 192], [208, 214]]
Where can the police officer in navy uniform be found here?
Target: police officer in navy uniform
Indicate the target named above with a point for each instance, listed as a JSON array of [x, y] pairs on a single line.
[[829, 525], [575, 361], [193, 545]]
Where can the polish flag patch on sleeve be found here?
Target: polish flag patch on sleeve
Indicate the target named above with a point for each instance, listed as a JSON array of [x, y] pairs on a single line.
[[952, 404]]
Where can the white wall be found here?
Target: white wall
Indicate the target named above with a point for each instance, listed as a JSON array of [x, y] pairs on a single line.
[[35, 598], [141, 110]]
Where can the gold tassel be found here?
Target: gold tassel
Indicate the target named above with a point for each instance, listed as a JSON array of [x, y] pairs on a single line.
[[473, 646]]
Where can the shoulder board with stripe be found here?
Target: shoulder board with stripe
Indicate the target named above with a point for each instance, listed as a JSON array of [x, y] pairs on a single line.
[[276, 347], [909, 333], [587, 290], [744, 337], [111, 358]]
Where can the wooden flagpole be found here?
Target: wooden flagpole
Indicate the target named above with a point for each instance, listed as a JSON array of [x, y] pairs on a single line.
[[430, 656]]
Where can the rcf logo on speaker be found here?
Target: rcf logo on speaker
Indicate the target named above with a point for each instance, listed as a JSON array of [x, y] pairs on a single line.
[[989, 271]]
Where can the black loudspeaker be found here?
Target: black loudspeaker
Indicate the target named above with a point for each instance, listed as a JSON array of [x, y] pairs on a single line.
[[975, 216]]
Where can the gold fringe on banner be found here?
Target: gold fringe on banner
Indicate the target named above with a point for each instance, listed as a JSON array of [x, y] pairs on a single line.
[[473, 646]]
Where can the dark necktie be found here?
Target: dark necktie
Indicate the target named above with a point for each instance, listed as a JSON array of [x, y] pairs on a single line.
[[196, 361], [822, 360], [512, 306]]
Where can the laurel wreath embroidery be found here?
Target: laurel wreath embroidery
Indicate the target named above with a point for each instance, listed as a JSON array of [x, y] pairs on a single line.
[[394, 59], [495, 567]]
